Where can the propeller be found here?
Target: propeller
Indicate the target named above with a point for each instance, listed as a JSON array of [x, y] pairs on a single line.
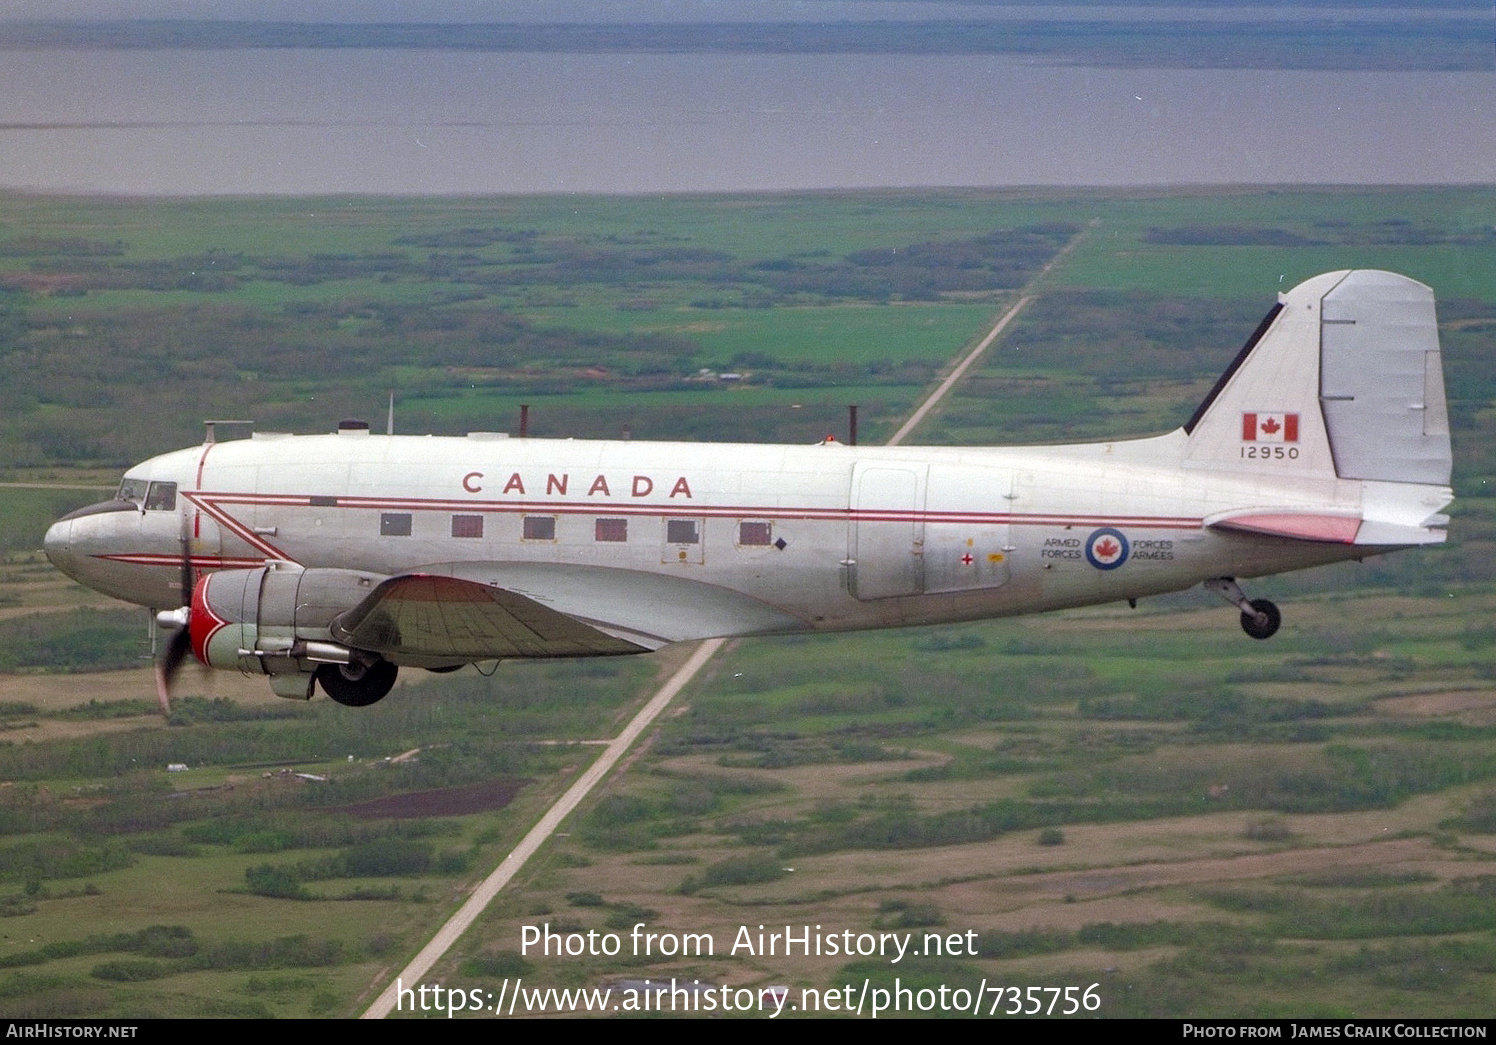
[[180, 644]]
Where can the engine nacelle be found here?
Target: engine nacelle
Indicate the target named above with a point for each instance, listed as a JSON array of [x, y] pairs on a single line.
[[273, 620]]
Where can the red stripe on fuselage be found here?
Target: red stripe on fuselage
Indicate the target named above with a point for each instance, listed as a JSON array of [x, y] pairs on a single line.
[[209, 503], [198, 562], [215, 502]]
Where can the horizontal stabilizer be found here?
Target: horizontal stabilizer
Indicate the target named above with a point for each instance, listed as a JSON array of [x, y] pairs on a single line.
[[1329, 527], [1383, 522], [1401, 535]]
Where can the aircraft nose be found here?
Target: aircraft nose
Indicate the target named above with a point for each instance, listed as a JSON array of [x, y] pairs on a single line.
[[59, 547], [58, 544], [106, 547], [68, 539]]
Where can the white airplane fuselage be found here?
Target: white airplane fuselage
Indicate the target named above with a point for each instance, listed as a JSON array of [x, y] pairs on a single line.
[[870, 536]]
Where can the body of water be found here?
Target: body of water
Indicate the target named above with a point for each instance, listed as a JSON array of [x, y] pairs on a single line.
[[184, 122]]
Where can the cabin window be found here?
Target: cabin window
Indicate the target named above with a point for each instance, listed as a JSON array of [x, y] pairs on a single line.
[[467, 526], [682, 531], [755, 534], [162, 497], [540, 528], [615, 530], [132, 490], [394, 524]]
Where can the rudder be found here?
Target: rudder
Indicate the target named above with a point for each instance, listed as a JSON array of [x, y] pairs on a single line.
[[1382, 380]]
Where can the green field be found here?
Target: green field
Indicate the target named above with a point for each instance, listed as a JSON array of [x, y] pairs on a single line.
[[1433, 235], [1140, 799]]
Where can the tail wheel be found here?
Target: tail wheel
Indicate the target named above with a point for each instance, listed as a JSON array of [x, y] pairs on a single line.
[[369, 686], [1263, 623]]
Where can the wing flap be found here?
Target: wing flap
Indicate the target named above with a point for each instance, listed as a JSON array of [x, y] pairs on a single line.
[[435, 617]]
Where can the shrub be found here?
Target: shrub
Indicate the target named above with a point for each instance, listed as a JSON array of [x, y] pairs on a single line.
[[738, 871]]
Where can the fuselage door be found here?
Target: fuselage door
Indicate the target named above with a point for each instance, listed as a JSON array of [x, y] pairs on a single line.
[[886, 537], [967, 529]]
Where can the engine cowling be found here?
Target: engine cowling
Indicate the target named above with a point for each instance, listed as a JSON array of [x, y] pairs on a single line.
[[273, 620]]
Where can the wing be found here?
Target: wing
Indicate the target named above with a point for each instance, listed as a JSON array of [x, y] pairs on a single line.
[[458, 612], [422, 616]]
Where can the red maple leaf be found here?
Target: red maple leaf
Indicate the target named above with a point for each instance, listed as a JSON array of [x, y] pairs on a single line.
[[1106, 548], [1270, 426]]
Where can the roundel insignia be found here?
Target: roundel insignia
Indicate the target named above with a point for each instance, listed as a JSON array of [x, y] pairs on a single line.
[[1106, 548]]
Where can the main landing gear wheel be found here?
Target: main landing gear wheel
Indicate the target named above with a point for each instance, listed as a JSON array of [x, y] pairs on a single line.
[[1263, 623], [1259, 617], [357, 686]]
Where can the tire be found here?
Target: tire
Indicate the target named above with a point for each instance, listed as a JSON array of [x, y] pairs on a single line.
[[1269, 627], [369, 688]]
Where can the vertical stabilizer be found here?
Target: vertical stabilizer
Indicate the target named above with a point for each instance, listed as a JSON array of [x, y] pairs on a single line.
[[1342, 379], [1263, 415]]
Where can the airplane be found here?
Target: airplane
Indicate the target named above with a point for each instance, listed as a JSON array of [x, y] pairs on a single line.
[[337, 559]]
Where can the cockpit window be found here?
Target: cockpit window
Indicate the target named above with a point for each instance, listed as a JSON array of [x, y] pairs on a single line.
[[161, 498], [132, 490]]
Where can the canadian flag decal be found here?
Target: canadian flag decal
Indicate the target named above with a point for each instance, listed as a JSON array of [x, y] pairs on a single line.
[[1270, 428]]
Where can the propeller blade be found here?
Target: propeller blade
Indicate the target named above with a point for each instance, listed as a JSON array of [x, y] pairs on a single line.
[[186, 575], [186, 539], [180, 644], [177, 650]]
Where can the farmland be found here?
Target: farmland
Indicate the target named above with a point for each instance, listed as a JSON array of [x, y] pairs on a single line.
[[1141, 799]]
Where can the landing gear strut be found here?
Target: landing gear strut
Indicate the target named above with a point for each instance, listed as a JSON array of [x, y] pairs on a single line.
[[1259, 617], [357, 685]]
